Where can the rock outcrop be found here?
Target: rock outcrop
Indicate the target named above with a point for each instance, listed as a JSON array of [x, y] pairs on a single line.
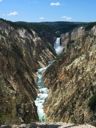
[[72, 79], [47, 125], [22, 52]]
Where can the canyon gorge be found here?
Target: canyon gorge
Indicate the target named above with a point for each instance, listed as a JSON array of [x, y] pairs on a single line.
[[47, 74]]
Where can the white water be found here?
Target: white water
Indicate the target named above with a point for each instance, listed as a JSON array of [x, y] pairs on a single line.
[[43, 91], [58, 48], [42, 95]]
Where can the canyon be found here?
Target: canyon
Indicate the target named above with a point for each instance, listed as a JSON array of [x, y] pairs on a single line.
[[26, 50], [22, 52]]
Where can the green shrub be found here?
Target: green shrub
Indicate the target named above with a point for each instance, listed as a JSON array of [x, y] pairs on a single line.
[[92, 102]]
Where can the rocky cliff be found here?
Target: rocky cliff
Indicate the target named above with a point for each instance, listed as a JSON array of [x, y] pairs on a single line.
[[22, 52], [72, 79]]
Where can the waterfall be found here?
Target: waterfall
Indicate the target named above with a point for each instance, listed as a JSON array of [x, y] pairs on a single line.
[[58, 48], [42, 95]]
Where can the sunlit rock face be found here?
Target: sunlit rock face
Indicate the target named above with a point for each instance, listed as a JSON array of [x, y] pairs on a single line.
[[22, 52], [72, 80], [69, 37]]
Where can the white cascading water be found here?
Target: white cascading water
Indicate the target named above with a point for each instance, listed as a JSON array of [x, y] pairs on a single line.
[[43, 91], [58, 48], [42, 95]]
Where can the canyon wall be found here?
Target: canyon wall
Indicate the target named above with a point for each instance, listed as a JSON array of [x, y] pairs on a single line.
[[22, 52], [71, 79]]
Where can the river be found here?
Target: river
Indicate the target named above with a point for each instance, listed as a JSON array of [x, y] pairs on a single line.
[[43, 91]]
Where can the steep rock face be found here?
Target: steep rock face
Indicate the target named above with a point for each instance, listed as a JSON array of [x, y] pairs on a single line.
[[72, 79], [22, 52]]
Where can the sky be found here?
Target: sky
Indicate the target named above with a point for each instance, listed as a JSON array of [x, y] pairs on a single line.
[[48, 10]]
